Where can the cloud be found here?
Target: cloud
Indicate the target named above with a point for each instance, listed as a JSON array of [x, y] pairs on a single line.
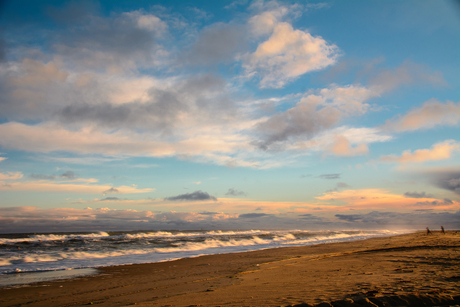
[[330, 176], [413, 220], [342, 147], [111, 190], [222, 145], [195, 196], [229, 205], [439, 151], [342, 141], [434, 203], [68, 175], [338, 186], [94, 92], [447, 179], [33, 219], [342, 185], [87, 38], [10, 176], [83, 160], [161, 107], [383, 80], [453, 185], [310, 217], [235, 4], [27, 86], [53, 137], [38, 74], [147, 21], [3, 159], [216, 44], [418, 195], [313, 114], [42, 176], [407, 73], [350, 217], [252, 215], [116, 43], [287, 53], [160, 114], [431, 114], [233, 192], [59, 187], [48, 91], [110, 199], [380, 199]]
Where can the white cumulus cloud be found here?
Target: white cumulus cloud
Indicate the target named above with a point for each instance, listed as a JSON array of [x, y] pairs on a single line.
[[287, 53]]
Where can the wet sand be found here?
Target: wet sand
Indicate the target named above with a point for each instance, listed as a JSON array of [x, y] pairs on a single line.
[[407, 270]]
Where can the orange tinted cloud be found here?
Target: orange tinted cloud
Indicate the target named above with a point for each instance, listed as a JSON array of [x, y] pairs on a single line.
[[375, 199], [342, 147], [439, 151]]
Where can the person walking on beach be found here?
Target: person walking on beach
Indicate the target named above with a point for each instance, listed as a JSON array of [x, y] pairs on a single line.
[[442, 229], [428, 232]]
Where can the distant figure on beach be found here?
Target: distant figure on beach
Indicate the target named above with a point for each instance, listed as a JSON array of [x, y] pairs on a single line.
[[428, 232], [442, 229]]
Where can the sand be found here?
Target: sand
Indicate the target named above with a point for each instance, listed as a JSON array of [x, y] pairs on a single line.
[[407, 270]]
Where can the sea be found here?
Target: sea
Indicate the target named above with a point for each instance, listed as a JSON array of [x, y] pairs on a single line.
[[29, 258]]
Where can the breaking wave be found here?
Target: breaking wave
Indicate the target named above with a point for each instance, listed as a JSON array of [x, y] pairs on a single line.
[[61, 251]]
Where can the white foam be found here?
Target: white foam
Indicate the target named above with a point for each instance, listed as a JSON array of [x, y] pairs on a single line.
[[213, 242], [26, 278], [54, 237]]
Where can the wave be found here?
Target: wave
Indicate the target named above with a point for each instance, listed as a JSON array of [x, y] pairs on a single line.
[[54, 237], [105, 249], [129, 236], [40, 238]]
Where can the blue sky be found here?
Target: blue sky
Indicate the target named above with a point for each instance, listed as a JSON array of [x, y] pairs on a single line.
[[120, 115]]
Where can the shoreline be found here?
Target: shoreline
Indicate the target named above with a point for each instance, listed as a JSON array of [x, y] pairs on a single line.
[[355, 270], [251, 241]]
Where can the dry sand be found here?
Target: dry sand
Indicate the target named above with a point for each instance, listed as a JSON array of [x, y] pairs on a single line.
[[407, 270]]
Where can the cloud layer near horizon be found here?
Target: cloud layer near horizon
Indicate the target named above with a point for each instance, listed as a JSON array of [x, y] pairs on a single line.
[[33, 219]]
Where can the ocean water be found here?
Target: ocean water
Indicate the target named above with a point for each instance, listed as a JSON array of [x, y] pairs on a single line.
[[26, 258]]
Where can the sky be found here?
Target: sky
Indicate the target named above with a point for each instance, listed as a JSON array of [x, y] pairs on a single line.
[[149, 115]]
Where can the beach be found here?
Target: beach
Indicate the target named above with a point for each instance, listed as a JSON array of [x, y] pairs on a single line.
[[406, 270]]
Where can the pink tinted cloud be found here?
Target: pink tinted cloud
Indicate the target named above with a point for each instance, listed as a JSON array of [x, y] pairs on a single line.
[[49, 186], [431, 114], [10, 176]]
